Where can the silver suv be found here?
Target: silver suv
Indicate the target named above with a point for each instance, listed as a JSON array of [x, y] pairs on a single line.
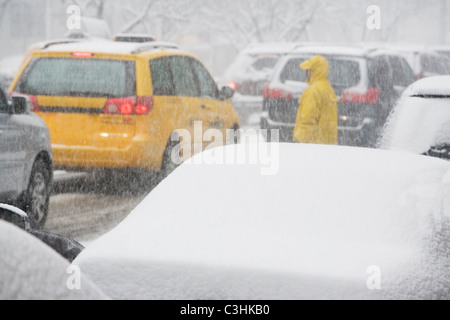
[[367, 82], [25, 159]]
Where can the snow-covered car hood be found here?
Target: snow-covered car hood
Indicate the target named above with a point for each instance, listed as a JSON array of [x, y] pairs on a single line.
[[31, 270], [331, 223], [436, 86]]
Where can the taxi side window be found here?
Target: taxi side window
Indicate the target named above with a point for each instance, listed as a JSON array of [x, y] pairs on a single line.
[[208, 87], [183, 77], [162, 77]]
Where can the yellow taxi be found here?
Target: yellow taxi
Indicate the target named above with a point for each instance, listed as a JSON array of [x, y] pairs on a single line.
[[114, 105]]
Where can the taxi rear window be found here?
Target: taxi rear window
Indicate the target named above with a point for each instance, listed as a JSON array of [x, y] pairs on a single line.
[[79, 78]]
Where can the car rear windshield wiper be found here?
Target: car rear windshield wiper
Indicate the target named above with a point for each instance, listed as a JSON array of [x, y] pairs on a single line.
[[431, 96]]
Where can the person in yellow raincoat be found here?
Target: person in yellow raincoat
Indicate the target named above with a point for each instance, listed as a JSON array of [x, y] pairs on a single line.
[[317, 119]]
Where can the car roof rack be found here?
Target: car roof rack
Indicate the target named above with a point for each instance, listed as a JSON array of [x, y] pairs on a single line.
[[153, 45]]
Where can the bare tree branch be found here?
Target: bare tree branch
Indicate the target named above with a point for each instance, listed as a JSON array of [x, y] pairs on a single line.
[[138, 19], [3, 5]]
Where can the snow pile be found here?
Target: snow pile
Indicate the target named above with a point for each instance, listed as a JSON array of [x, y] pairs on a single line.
[[421, 119], [333, 222], [31, 270]]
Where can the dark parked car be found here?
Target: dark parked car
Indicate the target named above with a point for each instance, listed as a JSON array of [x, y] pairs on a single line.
[[31, 270], [366, 81], [67, 248], [25, 158]]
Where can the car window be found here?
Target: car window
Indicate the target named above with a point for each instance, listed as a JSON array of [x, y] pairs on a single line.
[[262, 62], [208, 87], [183, 77], [445, 53], [401, 72], [293, 72], [435, 65], [3, 102], [343, 73], [79, 77], [380, 73], [161, 77]]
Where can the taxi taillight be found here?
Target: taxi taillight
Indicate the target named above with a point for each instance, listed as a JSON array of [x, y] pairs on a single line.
[[129, 106]]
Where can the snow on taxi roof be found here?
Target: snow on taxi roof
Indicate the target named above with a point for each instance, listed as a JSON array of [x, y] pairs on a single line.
[[108, 46]]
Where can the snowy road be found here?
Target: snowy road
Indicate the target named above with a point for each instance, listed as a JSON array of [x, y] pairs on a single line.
[[83, 209]]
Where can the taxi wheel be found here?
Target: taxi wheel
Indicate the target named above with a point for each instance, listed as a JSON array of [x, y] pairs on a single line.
[[37, 197], [171, 159]]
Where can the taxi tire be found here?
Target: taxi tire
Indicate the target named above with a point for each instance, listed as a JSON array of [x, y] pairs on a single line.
[[168, 165]]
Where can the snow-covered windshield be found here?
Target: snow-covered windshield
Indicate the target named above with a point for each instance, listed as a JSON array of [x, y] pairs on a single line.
[[419, 123]]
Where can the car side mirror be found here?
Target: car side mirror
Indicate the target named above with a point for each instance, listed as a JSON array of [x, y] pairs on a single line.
[[226, 93], [15, 216], [21, 105]]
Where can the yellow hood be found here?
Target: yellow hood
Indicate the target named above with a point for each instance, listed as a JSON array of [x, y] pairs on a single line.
[[319, 68]]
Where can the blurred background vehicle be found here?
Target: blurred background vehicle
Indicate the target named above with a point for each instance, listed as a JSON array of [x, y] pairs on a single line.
[[425, 62], [249, 73], [444, 50], [420, 122], [366, 81], [25, 159]]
